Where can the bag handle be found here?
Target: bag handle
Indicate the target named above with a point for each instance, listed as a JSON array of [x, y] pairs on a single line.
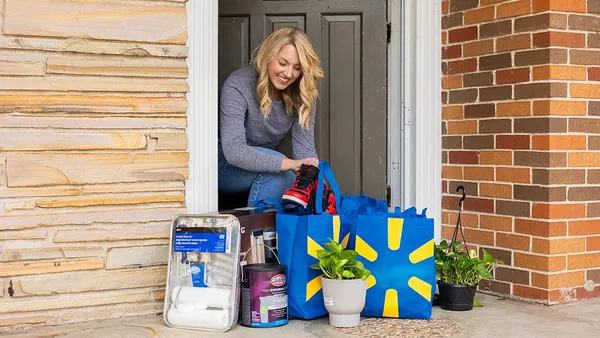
[[268, 202], [325, 171]]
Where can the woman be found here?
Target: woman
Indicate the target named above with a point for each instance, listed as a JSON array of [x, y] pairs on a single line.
[[258, 106]]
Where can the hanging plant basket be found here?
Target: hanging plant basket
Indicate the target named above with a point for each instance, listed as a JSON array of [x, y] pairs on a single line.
[[459, 270], [456, 297]]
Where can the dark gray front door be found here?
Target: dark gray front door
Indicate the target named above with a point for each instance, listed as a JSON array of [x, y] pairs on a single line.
[[350, 38]]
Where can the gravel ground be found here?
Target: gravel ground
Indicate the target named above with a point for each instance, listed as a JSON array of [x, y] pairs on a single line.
[[377, 327]]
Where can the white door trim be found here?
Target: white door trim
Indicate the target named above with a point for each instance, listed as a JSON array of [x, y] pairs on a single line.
[[414, 117], [201, 190], [421, 77], [395, 125]]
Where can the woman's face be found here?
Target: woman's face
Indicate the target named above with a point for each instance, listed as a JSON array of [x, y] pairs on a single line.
[[285, 68]]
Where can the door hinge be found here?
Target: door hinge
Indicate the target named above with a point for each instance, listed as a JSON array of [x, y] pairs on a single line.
[[389, 32], [388, 195]]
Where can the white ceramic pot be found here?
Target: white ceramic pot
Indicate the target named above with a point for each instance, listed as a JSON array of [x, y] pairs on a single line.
[[344, 300]]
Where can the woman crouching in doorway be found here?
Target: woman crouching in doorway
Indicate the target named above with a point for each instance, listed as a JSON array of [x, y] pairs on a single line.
[[259, 104]]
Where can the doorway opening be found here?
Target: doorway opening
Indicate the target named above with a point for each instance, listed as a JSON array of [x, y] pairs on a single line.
[[350, 37], [414, 146]]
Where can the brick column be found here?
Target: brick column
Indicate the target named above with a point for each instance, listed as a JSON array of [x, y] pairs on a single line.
[[519, 133]]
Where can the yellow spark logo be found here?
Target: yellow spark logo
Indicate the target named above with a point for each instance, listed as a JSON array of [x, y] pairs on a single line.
[[313, 286], [395, 278]]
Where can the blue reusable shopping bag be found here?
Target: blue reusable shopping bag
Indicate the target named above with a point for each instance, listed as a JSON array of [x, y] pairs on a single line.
[[299, 237], [353, 206], [398, 250]]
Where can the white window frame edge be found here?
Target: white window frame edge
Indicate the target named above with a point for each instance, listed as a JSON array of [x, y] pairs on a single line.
[[418, 177]]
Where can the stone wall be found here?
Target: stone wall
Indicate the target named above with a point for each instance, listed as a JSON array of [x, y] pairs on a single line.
[[92, 156], [521, 133]]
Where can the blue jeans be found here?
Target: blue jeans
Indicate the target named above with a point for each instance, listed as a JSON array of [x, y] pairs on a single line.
[[260, 185]]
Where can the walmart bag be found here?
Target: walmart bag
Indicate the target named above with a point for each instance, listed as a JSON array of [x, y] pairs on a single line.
[[398, 250], [299, 237], [353, 206]]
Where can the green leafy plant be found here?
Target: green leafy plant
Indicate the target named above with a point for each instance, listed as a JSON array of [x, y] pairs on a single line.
[[456, 265], [338, 263]]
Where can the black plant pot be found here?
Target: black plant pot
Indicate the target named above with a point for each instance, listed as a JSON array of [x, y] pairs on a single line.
[[456, 297]]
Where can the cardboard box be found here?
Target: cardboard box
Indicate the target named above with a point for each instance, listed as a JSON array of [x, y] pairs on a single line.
[[257, 227]]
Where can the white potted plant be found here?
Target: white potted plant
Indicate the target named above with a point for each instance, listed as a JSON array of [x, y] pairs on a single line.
[[344, 283]]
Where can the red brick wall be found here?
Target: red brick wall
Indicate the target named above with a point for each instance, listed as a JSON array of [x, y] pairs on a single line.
[[521, 132]]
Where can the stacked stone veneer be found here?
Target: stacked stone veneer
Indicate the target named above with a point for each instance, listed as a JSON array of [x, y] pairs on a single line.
[[92, 156]]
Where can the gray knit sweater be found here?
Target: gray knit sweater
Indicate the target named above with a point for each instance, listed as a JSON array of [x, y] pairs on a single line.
[[242, 126]]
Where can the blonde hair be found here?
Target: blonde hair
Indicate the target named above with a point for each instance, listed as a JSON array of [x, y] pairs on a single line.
[[303, 93]]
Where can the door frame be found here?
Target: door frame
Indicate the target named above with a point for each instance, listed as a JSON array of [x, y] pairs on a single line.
[[414, 117], [201, 187]]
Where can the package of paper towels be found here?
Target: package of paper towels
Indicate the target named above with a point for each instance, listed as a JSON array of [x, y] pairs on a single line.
[[203, 283]]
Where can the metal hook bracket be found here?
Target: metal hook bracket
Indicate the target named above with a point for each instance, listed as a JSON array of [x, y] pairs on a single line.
[[458, 221], [464, 195]]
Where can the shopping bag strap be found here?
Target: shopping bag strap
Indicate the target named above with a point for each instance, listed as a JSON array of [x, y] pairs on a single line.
[[269, 202], [326, 172]]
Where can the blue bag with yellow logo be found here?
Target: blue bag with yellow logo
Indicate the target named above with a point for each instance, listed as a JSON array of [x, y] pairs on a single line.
[[353, 206], [397, 248], [299, 237]]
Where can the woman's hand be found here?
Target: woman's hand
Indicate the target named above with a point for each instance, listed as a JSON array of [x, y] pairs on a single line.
[[310, 161], [295, 165]]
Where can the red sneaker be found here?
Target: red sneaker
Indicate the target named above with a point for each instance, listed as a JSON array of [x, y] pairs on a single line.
[[328, 201], [302, 190]]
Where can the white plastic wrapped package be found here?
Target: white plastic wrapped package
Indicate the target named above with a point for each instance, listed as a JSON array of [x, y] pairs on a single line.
[[202, 291]]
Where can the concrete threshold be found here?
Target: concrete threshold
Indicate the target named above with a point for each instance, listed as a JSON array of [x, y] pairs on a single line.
[[499, 317]]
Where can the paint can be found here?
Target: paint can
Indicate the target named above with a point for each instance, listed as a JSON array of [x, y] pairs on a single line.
[[264, 299]]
